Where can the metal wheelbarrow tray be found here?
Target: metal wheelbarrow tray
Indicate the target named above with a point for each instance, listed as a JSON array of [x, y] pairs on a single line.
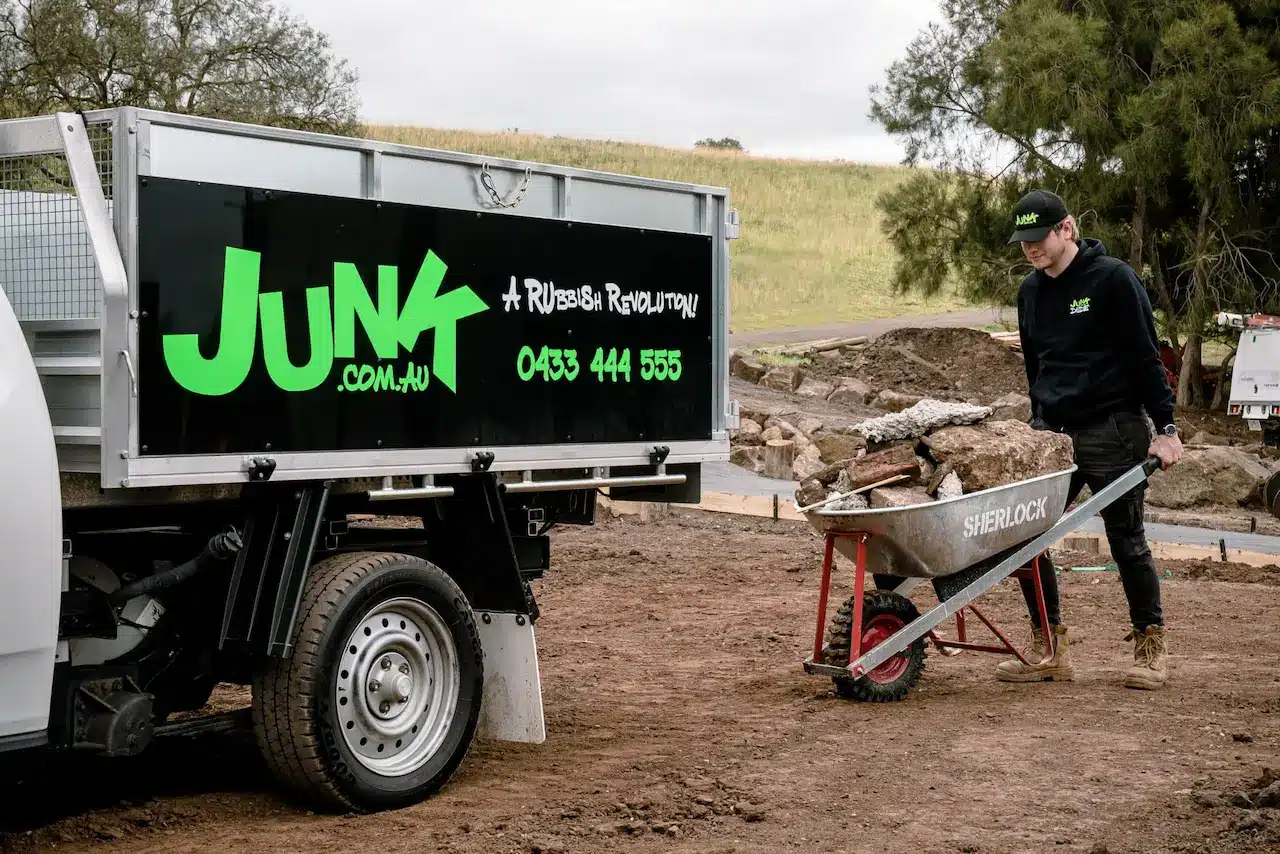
[[964, 546]]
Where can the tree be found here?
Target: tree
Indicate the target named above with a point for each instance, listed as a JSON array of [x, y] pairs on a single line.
[[1158, 119], [727, 143], [242, 60]]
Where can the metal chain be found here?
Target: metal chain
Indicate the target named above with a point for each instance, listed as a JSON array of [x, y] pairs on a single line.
[[487, 180]]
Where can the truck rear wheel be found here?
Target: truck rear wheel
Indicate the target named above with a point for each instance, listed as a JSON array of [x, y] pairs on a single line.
[[379, 702]]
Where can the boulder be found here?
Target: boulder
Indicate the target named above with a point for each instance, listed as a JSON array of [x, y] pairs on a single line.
[[874, 467], [899, 496], [1214, 475], [810, 492], [850, 392], [999, 452], [1011, 407], [809, 425], [809, 387], [788, 430], [783, 378], [746, 369], [835, 447], [806, 467], [1203, 438], [760, 416], [893, 401], [749, 433], [918, 419], [749, 457]]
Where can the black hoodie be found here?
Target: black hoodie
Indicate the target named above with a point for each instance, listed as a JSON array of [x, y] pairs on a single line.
[[1089, 340]]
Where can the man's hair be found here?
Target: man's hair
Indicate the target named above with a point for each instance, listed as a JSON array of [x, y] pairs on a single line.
[[1075, 226]]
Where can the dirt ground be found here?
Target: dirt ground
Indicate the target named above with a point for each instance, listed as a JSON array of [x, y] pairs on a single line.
[[679, 720], [950, 364]]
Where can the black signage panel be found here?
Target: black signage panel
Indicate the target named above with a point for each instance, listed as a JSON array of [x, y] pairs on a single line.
[[292, 322]]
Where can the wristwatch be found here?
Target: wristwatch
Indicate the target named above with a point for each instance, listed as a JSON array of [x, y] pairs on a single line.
[[1170, 430]]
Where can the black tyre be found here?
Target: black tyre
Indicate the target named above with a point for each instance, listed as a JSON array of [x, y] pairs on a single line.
[[379, 703], [883, 614]]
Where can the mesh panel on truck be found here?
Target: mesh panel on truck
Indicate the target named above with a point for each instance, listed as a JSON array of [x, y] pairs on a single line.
[[47, 269]]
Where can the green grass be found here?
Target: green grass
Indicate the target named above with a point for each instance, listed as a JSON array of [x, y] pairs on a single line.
[[811, 250]]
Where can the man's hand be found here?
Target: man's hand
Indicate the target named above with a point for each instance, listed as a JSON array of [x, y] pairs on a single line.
[[1168, 449]]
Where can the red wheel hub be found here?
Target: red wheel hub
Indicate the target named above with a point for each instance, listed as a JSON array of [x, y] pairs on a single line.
[[876, 631]]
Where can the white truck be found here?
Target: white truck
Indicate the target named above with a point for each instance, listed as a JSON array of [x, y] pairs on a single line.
[[1255, 385], [223, 346]]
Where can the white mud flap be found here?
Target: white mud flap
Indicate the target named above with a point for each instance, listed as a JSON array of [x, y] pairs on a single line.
[[512, 706]]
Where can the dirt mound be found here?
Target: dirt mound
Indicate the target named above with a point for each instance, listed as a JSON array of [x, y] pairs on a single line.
[[943, 363]]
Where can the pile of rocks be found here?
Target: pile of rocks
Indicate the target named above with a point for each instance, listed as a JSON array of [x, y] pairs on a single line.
[[933, 451]]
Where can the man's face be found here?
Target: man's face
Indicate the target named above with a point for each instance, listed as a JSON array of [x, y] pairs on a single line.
[[1045, 253]]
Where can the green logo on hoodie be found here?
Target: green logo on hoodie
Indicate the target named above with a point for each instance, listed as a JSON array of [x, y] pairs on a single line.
[[1080, 306]]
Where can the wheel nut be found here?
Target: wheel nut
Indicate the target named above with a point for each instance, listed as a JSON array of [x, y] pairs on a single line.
[[375, 685], [404, 668], [385, 707], [386, 664]]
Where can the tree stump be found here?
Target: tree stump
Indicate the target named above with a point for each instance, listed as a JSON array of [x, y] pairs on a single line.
[[779, 458]]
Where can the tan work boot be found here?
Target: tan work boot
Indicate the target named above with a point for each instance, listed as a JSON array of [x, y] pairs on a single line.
[[1150, 650], [1059, 668]]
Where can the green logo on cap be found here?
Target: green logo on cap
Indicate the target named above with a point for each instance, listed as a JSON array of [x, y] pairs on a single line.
[[1027, 219]]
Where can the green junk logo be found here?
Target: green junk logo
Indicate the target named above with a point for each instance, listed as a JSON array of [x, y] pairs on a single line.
[[1080, 306], [331, 330], [1027, 219]]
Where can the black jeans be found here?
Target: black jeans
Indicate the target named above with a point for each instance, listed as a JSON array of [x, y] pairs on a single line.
[[1103, 452]]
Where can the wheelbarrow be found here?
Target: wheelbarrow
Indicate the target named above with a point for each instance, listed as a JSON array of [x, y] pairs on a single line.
[[874, 649]]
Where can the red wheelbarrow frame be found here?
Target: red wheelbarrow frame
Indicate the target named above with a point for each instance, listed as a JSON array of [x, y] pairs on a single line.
[[1021, 562], [1031, 571]]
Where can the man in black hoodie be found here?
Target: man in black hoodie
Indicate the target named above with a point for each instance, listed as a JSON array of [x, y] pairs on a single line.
[[1093, 365]]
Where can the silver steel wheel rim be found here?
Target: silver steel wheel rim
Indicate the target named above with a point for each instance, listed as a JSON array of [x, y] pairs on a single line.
[[397, 687]]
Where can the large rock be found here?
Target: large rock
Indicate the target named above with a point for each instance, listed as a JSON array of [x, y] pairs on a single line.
[[783, 378], [789, 430], [894, 401], [760, 416], [810, 492], [809, 387], [850, 392], [1216, 475], [749, 433], [999, 452], [809, 425], [806, 467], [919, 418], [835, 447], [899, 496], [1011, 407], [749, 457], [882, 465], [746, 369]]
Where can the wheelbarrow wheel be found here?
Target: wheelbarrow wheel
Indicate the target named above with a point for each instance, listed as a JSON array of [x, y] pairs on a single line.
[[883, 614]]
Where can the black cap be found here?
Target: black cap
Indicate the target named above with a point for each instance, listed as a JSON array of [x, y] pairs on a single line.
[[1036, 214]]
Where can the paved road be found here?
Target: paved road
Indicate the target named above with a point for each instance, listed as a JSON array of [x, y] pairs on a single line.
[[870, 328]]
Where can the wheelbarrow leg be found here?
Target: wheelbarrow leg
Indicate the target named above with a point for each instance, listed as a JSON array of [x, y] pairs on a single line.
[[828, 558]]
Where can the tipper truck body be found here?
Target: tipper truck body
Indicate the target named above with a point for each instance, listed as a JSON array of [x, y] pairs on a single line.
[[297, 411]]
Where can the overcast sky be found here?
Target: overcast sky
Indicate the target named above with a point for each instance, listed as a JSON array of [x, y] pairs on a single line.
[[786, 77]]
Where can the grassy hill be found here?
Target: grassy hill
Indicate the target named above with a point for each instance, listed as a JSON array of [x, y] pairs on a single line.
[[811, 251]]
